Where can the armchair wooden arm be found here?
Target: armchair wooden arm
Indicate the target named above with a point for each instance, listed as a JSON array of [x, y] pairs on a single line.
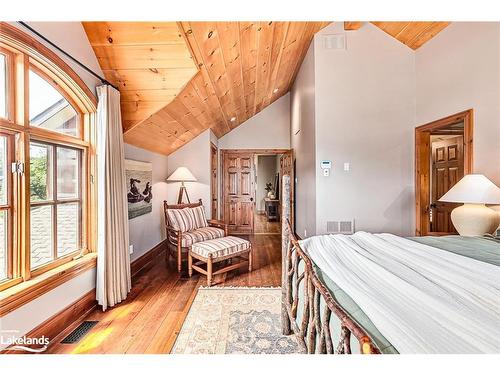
[[219, 224]]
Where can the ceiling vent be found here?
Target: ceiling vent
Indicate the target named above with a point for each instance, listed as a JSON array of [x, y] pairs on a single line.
[[340, 227], [335, 41]]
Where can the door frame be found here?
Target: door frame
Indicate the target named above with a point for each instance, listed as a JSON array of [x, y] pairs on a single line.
[[253, 151], [423, 162], [214, 206]]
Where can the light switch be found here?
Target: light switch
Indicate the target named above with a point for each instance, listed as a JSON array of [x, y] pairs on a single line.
[[347, 167]]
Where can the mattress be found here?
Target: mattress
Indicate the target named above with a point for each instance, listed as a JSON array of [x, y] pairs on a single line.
[[484, 249]]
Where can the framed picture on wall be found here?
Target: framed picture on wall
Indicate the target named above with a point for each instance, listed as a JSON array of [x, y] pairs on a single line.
[[139, 176]]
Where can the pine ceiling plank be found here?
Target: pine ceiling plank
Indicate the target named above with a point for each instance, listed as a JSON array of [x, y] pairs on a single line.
[[279, 41], [158, 95], [392, 28], [265, 34], [233, 67], [413, 34], [433, 29], [298, 37], [132, 33], [144, 56], [411, 31], [138, 79], [352, 25], [211, 104], [138, 111], [249, 46], [229, 40]]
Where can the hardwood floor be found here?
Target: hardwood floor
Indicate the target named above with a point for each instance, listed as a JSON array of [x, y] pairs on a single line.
[[151, 317], [262, 226]]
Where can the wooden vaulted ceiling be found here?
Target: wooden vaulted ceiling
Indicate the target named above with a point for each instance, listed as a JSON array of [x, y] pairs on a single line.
[[179, 79], [243, 67], [149, 62], [413, 34]]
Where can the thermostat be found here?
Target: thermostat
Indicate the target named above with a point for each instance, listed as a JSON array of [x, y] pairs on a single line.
[[326, 164]]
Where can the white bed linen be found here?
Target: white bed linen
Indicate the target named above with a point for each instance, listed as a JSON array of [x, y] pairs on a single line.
[[422, 299]]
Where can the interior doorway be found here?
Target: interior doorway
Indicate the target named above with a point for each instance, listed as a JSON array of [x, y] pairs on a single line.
[[443, 155], [267, 215], [245, 203]]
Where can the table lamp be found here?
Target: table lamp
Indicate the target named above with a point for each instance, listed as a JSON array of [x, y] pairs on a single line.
[[182, 174], [473, 218]]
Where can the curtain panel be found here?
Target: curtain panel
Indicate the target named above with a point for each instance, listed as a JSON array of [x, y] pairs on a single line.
[[113, 257]]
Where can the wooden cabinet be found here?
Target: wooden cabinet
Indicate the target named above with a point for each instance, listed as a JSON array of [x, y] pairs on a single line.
[[272, 209]]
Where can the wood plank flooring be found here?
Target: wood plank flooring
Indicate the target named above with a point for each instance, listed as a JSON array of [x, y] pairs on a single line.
[[151, 317], [262, 226]]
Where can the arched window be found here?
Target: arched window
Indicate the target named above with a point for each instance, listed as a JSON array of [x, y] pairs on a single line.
[[47, 138]]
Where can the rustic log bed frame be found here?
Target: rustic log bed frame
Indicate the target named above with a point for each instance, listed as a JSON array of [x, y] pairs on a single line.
[[312, 325]]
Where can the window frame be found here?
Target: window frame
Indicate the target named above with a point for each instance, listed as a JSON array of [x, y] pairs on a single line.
[[9, 82], [54, 202], [25, 53]]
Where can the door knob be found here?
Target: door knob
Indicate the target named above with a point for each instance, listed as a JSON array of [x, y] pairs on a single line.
[[251, 199]]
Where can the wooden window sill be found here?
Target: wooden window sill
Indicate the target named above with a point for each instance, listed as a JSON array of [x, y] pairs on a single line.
[[20, 294]]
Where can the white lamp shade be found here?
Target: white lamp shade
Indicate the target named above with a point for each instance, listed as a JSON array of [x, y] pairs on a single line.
[[181, 174], [473, 188]]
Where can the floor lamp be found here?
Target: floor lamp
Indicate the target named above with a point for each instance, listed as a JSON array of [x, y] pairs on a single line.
[[182, 174]]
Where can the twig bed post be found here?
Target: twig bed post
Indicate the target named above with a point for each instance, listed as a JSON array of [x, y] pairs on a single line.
[[285, 256]]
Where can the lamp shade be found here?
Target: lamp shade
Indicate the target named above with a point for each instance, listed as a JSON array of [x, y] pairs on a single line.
[[473, 188], [181, 174]]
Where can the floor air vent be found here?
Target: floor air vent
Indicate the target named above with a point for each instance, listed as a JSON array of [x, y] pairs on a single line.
[[79, 332]]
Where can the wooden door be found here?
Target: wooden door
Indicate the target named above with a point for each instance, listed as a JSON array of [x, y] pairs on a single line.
[[447, 170], [238, 191], [287, 168], [213, 182]]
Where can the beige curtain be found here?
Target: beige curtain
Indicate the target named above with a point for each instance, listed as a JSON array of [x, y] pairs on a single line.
[[113, 257]]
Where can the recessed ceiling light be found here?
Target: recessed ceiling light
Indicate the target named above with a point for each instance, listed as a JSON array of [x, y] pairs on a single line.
[[233, 119], [275, 90]]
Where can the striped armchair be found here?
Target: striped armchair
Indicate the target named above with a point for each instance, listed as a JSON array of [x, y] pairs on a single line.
[[187, 224]]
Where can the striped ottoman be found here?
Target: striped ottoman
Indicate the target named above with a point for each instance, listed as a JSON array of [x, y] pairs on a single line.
[[219, 249]]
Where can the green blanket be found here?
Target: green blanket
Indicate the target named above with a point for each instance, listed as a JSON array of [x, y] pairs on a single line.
[[484, 249]]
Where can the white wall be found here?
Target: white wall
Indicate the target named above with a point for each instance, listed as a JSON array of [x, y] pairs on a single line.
[[365, 115], [71, 37], [148, 230], [303, 138], [355, 106], [457, 70], [269, 129], [194, 155]]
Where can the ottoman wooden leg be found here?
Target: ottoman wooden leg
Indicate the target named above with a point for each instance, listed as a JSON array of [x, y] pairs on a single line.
[[209, 271], [250, 259], [190, 264]]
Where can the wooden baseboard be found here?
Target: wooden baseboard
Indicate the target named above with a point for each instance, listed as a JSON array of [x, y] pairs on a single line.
[[81, 308], [146, 258]]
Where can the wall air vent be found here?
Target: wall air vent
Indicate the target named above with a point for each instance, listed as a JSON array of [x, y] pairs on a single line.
[[335, 41], [340, 227]]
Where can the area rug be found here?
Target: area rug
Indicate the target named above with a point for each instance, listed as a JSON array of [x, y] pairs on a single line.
[[235, 321]]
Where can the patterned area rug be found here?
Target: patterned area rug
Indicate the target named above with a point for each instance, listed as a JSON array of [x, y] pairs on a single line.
[[235, 321]]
